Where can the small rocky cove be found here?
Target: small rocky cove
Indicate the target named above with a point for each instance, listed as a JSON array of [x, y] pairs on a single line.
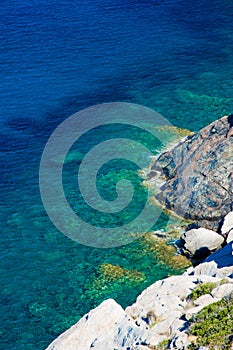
[[193, 310]]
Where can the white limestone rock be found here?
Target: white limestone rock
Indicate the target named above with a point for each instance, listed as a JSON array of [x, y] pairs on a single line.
[[105, 327], [224, 290], [160, 312], [200, 241], [179, 341], [193, 311], [230, 237], [165, 327], [161, 298], [227, 223], [203, 300], [209, 269]]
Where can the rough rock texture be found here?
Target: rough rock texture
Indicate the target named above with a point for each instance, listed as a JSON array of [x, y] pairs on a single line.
[[198, 174], [105, 327], [224, 290], [199, 243], [227, 223], [161, 312], [146, 323]]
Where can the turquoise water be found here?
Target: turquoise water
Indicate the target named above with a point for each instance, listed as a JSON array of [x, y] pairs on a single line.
[[57, 58]]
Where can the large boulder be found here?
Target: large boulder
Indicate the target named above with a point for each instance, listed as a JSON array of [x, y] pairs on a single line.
[[105, 327], [199, 243], [198, 174]]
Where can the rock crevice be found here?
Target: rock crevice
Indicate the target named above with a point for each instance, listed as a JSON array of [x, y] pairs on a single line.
[[198, 175]]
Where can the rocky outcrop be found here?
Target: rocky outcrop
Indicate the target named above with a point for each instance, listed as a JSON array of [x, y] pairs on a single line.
[[197, 184], [163, 312], [106, 327], [198, 175]]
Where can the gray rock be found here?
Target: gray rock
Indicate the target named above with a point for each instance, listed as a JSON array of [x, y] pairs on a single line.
[[198, 243], [198, 174]]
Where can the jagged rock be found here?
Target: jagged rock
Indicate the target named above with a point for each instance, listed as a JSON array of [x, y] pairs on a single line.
[[205, 299], [144, 324], [161, 298], [224, 290], [198, 174], [165, 327], [105, 327], [192, 311], [179, 341], [227, 223], [199, 243], [211, 269]]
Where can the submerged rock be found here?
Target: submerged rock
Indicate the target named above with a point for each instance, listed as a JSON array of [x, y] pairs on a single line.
[[198, 174]]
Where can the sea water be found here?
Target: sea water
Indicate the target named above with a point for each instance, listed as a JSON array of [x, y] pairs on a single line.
[[58, 57]]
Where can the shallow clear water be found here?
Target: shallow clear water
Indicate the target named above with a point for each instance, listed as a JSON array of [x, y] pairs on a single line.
[[59, 57]]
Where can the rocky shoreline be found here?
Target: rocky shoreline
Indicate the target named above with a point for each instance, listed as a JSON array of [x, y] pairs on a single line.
[[193, 310], [163, 314]]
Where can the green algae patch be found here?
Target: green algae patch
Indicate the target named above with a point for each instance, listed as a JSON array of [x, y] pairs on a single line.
[[213, 326], [171, 135], [110, 278], [112, 272], [164, 252]]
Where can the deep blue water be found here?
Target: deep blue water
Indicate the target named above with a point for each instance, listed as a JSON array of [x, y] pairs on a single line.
[[57, 57]]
